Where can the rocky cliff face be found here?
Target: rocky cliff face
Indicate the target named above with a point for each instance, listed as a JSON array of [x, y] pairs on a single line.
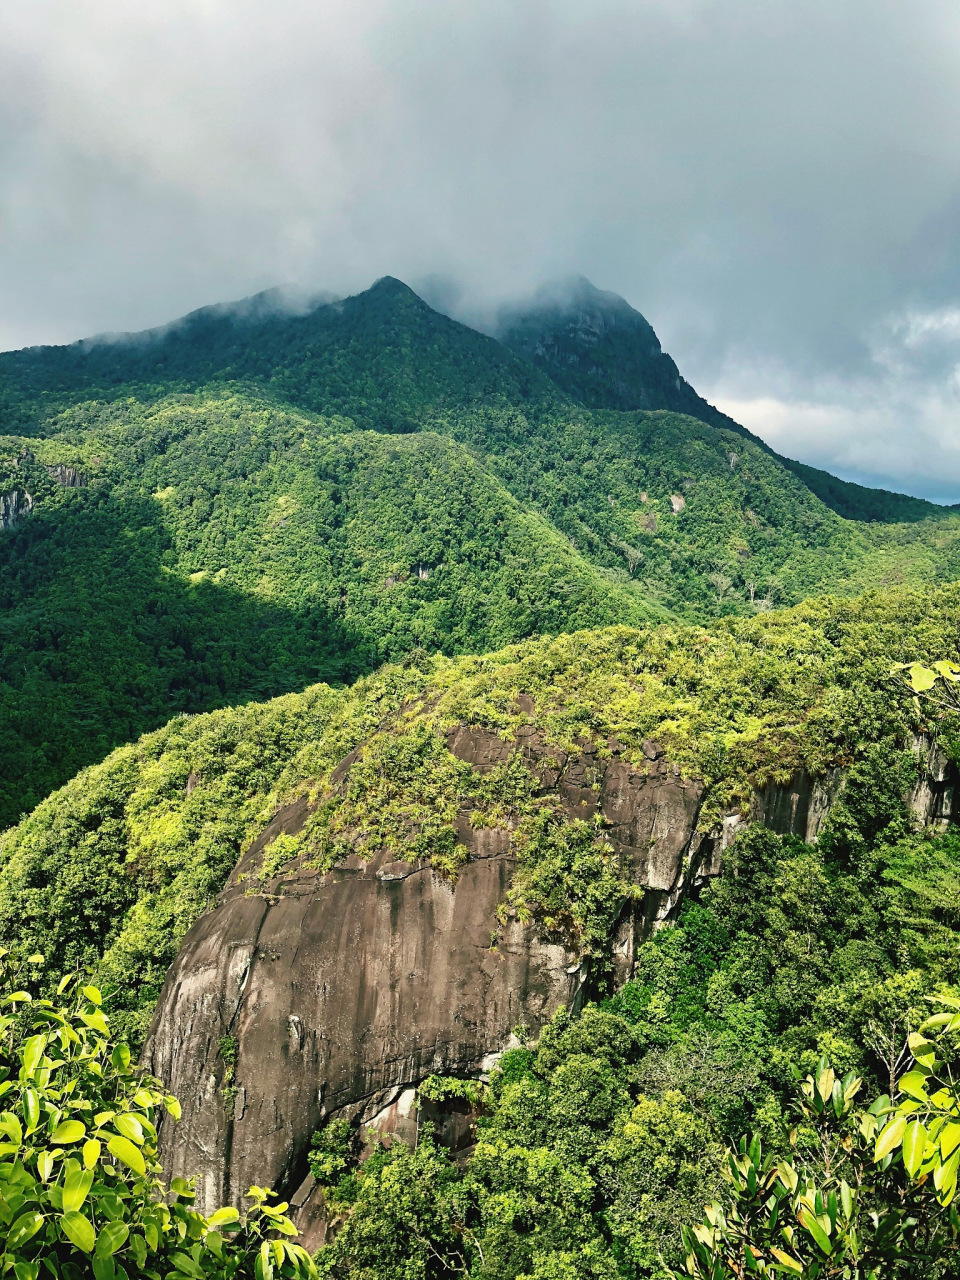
[[67, 476], [337, 993], [14, 506]]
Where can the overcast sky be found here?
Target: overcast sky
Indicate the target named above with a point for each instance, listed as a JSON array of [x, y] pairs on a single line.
[[776, 185]]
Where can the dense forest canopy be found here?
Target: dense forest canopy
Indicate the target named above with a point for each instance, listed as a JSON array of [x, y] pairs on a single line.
[[251, 500], [241, 550], [601, 1137]]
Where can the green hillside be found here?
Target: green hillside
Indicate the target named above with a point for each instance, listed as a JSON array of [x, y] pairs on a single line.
[[610, 1128], [252, 500], [383, 359], [605, 355], [223, 549], [749, 702]]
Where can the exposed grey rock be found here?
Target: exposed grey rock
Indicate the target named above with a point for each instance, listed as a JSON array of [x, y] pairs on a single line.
[[345, 990], [68, 476], [14, 506]]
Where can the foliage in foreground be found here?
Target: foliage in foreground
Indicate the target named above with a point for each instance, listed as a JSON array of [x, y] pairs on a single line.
[[877, 1198], [80, 1185]]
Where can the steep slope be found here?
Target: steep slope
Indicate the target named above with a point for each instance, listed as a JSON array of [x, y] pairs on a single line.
[[174, 543], [383, 359], [110, 870], [605, 354], [214, 549], [602, 352], [501, 828]]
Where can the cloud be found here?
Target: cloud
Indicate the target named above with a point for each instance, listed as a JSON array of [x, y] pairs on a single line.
[[776, 185]]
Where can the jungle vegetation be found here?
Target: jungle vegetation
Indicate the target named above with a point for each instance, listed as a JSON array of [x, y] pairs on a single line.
[[251, 544], [251, 500]]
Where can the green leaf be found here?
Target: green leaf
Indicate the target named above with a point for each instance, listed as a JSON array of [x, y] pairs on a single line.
[[949, 1139], [10, 1125], [24, 1229], [96, 1022], [914, 1144], [76, 1187], [921, 678], [124, 1150], [130, 1127], [138, 1248], [93, 995], [811, 1224], [68, 1132], [187, 1265], [32, 1053], [91, 1153], [79, 1231], [45, 1165], [31, 1109], [223, 1216], [113, 1236], [914, 1084], [263, 1267], [890, 1137], [120, 1057], [846, 1200]]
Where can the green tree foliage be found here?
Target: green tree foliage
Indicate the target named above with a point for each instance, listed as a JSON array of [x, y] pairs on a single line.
[[80, 1185], [575, 1172], [598, 1142], [112, 870], [225, 551], [263, 500], [868, 1193]]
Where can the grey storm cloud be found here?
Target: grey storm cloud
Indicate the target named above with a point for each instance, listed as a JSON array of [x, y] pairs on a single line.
[[776, 185]]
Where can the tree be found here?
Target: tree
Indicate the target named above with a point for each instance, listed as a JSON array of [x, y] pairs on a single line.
[[938, 685], [864, 1195], [80, 1185]]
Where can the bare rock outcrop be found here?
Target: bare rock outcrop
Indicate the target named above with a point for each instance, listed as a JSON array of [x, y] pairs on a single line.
[[337, 993], [14, 506], [69, 477]]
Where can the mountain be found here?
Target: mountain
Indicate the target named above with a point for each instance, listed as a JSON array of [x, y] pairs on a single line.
[[267, 494], [603, 353], [383, 359], [374, 891], [216, 549], [484, 958]]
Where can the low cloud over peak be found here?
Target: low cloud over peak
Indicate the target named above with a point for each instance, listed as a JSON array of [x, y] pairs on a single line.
[[775, 187]]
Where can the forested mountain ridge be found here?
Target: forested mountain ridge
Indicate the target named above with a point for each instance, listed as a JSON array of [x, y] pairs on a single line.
[[798, 949], [222, 549], [602, 352], [598, 772], [250, 500], [382, 358], [605, 354]]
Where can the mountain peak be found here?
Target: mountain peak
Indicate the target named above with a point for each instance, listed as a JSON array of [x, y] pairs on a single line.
[[574, 299], [600, 350]]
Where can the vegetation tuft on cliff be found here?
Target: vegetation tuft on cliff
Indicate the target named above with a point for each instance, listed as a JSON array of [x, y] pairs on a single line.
[[112, 869]]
